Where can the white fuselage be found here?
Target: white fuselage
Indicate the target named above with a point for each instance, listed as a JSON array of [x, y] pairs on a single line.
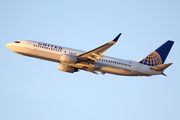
[[104, 64]]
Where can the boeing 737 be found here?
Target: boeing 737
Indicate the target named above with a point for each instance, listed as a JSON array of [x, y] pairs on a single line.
[[71, 60]]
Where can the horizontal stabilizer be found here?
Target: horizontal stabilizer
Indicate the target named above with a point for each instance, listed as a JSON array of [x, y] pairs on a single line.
[[161, 67]]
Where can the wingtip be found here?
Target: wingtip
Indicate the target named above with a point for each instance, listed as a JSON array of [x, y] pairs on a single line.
[[117, 37]]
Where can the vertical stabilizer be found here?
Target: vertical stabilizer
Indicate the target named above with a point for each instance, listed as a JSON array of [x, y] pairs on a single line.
[[158, 56]]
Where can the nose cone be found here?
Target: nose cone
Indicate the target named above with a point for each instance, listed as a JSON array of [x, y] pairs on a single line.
[[9, 45]]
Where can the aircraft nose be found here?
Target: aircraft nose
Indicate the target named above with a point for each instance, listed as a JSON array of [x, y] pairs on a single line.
[[8, 45]]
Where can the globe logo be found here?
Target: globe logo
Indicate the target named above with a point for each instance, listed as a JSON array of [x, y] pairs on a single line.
[[152, 59]]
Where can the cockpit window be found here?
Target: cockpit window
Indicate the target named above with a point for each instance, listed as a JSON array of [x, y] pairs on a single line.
[[17, 41]]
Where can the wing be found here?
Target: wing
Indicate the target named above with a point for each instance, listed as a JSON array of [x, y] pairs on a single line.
[[97, 52]]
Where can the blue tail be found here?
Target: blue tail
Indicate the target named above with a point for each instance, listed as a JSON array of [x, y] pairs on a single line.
[[158, 56]]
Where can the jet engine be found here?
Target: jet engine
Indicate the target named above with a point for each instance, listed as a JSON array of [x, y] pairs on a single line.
[[68, 58], [67, 68]]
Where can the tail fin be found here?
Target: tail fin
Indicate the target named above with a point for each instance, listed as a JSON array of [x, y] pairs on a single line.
[[158, 56]]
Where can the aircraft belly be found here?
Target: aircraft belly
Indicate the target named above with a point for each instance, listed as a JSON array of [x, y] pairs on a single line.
[[121, 71]]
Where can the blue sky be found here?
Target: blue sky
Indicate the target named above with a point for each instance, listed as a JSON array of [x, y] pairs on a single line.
[[33, 89]]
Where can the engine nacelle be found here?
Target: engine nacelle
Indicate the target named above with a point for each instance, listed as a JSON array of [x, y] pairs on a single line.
[[68, 58], [67, 68]]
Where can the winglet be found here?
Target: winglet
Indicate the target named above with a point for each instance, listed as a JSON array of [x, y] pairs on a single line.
[[117, 37]]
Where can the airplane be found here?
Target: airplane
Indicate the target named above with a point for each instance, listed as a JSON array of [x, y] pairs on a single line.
[[71, 60]]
